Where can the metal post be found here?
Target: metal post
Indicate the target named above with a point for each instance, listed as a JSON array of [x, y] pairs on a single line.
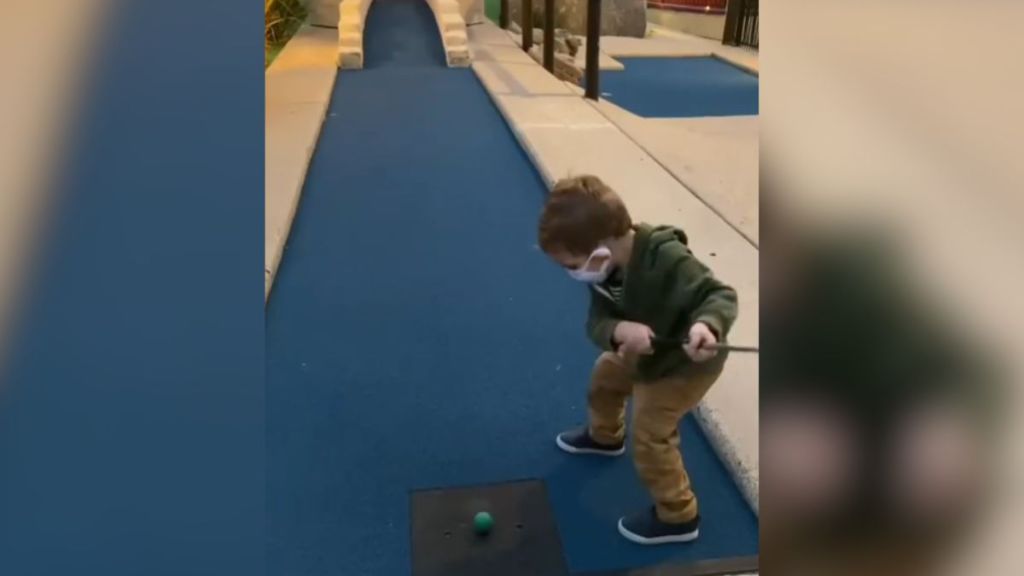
[[549, 35], [593, 49], [730, 33], [527, 6], [503, 15]]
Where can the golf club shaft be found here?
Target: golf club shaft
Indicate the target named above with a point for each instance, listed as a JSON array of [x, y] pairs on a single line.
[[678, 343]]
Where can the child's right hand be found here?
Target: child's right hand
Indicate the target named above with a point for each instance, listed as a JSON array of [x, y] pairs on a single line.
[[633, 338]]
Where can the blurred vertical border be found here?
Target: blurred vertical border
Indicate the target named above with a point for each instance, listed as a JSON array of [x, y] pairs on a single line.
[[131, 288], [44, 72], [892, 276]]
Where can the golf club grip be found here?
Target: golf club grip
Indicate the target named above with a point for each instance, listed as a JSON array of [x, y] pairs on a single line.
[[660, 342]]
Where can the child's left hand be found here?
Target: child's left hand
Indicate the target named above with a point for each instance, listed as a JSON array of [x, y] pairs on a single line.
[[699, 346]]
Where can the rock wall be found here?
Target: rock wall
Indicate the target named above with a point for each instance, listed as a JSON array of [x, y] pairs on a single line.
[[699, 24], [618, 17], [566, 46]]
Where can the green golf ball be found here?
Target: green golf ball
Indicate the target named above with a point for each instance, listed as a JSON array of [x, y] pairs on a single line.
[[483, 522]]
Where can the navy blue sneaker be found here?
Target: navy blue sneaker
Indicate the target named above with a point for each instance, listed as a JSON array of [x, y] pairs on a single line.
[[579, 442], [645, 528]]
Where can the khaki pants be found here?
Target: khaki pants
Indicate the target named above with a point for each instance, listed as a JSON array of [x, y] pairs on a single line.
[[657, 409]]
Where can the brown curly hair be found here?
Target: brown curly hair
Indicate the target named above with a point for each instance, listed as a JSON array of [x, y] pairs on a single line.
[[579, 214]]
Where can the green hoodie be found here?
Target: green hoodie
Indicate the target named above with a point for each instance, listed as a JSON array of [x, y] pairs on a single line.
[[668, 289]]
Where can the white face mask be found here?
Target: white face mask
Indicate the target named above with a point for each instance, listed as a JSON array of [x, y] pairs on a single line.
[[594, 276]]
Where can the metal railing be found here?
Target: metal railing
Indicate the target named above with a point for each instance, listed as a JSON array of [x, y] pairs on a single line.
[[741, 23], [591, 76]]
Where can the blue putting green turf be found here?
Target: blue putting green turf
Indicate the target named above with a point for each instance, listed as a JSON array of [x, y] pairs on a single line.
[[681, 88], [416, 336]]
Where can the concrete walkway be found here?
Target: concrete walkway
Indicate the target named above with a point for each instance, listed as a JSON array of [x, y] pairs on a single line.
[[564, 135], [716, 158]]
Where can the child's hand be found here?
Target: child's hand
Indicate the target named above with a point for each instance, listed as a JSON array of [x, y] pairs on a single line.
[[633, 338], [698, 347]]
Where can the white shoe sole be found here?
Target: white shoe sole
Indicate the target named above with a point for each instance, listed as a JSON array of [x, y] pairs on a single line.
[[575, 450], [675, 539]]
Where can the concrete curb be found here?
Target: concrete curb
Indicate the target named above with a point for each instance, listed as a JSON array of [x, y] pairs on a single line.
[[351, 23], [614, 64], [452, 26], [749, 484], [298, 90]]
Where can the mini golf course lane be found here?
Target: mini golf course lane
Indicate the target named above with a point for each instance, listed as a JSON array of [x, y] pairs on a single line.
[[681, 88], [417, 338]]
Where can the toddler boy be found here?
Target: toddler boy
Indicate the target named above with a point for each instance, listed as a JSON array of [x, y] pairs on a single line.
[[645, 285]]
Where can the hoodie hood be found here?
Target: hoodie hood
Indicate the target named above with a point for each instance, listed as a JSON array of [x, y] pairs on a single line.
[[654, 244]]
